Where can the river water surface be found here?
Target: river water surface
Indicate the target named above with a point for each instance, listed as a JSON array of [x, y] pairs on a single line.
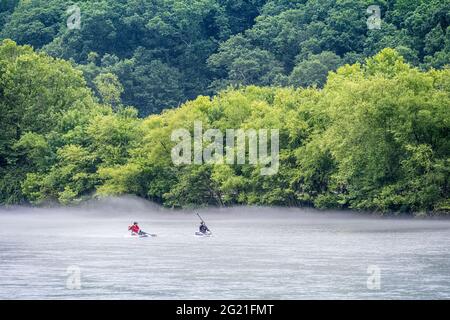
[[254, 253]]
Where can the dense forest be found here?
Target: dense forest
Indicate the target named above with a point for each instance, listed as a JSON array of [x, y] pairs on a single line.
[[363, 114], [165, 52]]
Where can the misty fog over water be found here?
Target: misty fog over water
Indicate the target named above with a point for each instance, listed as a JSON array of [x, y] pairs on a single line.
[[254, 253]]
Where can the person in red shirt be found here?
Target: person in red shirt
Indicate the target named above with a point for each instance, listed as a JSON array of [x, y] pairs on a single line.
[[134, 228]]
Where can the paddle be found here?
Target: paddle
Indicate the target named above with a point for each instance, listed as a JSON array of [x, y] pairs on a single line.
[[148, 234], [203, 222]]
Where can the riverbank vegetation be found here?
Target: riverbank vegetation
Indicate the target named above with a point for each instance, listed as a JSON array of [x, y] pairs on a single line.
[[375, 137]]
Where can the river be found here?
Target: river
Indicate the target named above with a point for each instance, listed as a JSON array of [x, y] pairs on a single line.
[[254, 253]]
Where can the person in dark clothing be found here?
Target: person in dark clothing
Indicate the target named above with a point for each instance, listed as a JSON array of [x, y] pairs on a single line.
[[203, 228]]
